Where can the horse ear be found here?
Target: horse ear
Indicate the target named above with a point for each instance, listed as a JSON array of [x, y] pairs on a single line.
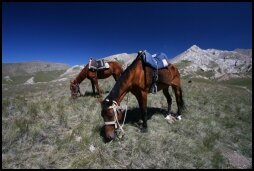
[[106, 103], [109, 102]]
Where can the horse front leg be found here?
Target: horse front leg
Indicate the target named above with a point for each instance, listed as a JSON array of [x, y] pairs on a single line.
[[144, 111], [97, 87], [169, 100], [93, 87], [80, 93], [142, 101]]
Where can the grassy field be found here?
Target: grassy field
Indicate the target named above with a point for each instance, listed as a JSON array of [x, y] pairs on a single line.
[[42, 127], [42, 76]]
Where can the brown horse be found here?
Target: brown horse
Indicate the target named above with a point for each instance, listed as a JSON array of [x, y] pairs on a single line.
[[114, 69], [137, 79]]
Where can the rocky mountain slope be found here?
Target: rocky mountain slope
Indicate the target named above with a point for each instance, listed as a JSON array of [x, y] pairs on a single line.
[[215, 64], [123, 58]]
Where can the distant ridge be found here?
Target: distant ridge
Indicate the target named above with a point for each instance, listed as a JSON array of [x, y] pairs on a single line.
[[26, 68]]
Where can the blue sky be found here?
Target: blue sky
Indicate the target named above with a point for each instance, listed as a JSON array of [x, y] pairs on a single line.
[[71, 33]]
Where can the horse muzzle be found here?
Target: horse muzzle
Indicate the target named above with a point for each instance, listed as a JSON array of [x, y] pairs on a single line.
[[110, 137]]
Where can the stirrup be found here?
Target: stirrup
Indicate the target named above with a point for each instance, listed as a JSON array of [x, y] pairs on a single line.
[[154, 89]]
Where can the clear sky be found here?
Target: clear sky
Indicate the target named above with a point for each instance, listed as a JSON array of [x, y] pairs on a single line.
[[71, 33]]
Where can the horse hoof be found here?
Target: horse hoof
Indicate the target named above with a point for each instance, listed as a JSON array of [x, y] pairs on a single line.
[[140, 122]]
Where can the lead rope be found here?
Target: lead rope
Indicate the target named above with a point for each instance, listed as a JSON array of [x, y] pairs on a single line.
[[126, 108], [116, 120]]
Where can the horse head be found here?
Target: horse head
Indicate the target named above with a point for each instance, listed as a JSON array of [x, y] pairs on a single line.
[[74, 87], [112, 115]]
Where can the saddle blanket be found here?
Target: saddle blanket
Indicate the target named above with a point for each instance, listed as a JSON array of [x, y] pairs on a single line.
[[156, 61], [97, 65]]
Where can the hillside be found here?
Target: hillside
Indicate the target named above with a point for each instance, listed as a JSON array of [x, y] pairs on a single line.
[[42, 72], [31, 72], [28, 68]]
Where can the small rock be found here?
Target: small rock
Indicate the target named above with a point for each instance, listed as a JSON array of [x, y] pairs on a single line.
[[78, 138], [91, 148]]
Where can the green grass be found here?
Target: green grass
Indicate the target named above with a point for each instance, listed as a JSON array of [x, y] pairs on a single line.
[[246, 82], [16, 80], [207, 74], [212, 64], [42, 76], [183, 64], [42, 127], [45, 76]]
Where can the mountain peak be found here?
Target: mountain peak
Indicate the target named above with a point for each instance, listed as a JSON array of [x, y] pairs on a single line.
[[195, 48]]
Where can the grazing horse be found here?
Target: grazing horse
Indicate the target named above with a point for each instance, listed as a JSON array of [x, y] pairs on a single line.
[[137, 79], [114, 69]]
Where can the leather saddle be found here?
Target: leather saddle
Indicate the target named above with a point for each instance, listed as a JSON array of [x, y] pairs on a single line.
[[98, 64]]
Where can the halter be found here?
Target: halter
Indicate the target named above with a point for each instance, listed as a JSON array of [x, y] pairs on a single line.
[[115, 122]]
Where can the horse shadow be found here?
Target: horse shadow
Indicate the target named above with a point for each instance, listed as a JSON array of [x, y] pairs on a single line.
[[90, 93], [133, 115]]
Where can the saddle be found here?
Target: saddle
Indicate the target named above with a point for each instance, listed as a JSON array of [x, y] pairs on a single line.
[[97, 65], [156, 62]]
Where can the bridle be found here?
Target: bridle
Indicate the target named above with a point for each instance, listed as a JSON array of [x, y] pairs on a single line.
[[115, 122]]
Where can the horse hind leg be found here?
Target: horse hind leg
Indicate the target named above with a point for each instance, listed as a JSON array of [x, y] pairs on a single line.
[[169, 100], [179, 100], [170, 115]]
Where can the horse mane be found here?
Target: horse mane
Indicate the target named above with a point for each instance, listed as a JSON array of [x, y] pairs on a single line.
[[126, 74], [82, 75]]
